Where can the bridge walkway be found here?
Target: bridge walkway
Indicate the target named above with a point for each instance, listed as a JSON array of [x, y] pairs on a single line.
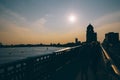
[[99, 71], [86, 62]]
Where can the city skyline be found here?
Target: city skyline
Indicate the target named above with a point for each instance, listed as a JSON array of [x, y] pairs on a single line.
[[56, 21]]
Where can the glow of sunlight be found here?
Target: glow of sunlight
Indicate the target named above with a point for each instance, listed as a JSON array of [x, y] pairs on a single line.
[[72, 18]]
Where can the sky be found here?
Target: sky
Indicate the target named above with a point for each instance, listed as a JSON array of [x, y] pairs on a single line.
[[47, 21]]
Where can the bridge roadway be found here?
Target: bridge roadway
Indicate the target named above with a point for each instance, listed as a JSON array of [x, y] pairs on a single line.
[[84, 62], [73, 70]]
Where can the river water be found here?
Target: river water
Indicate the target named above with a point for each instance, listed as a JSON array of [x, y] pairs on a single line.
[[17, 53]]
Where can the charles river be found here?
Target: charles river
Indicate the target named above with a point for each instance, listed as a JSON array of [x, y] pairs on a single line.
[[17, 53]]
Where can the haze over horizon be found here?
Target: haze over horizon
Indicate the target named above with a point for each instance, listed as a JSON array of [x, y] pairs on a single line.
[[50, 21]]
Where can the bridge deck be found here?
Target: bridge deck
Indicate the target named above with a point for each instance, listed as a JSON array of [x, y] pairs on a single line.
[[86, 62], [73, 71]]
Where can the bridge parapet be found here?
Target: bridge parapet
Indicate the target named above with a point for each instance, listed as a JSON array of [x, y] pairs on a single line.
[[38, 67], [45, 66], [110, 66]]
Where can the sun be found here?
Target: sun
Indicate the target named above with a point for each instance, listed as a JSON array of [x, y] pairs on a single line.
[[72, 18]]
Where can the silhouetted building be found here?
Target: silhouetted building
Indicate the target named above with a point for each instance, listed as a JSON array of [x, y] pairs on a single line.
[[76, 40], [112, 37], [91, 35], [1, 45]]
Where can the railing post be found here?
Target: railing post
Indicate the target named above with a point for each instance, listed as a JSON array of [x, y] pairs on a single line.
[[29, 69]]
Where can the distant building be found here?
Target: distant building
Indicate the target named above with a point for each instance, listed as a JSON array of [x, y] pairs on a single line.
[[1, 44], [112, 37], [90, 34], [76, 40]]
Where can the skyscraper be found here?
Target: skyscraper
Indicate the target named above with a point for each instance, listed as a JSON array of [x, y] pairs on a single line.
[[90, 34]]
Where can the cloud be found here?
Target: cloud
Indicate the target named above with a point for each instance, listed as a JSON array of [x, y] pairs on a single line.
[[7, 11], [111, 27], [108, 18], [9, 17], [17, 29], [107, 23], [39, 22], [16, 34]]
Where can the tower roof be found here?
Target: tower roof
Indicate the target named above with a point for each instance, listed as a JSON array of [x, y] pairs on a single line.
[[89, 26]]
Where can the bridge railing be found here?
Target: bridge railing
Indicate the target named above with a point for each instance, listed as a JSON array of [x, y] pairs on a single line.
[[111, 68], [39, 67]]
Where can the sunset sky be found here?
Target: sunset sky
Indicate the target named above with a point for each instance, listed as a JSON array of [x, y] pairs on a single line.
[[56, 21]]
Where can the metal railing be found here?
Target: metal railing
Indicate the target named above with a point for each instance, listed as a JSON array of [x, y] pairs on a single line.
[[39, 67], [45, 66], [111, 68]]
